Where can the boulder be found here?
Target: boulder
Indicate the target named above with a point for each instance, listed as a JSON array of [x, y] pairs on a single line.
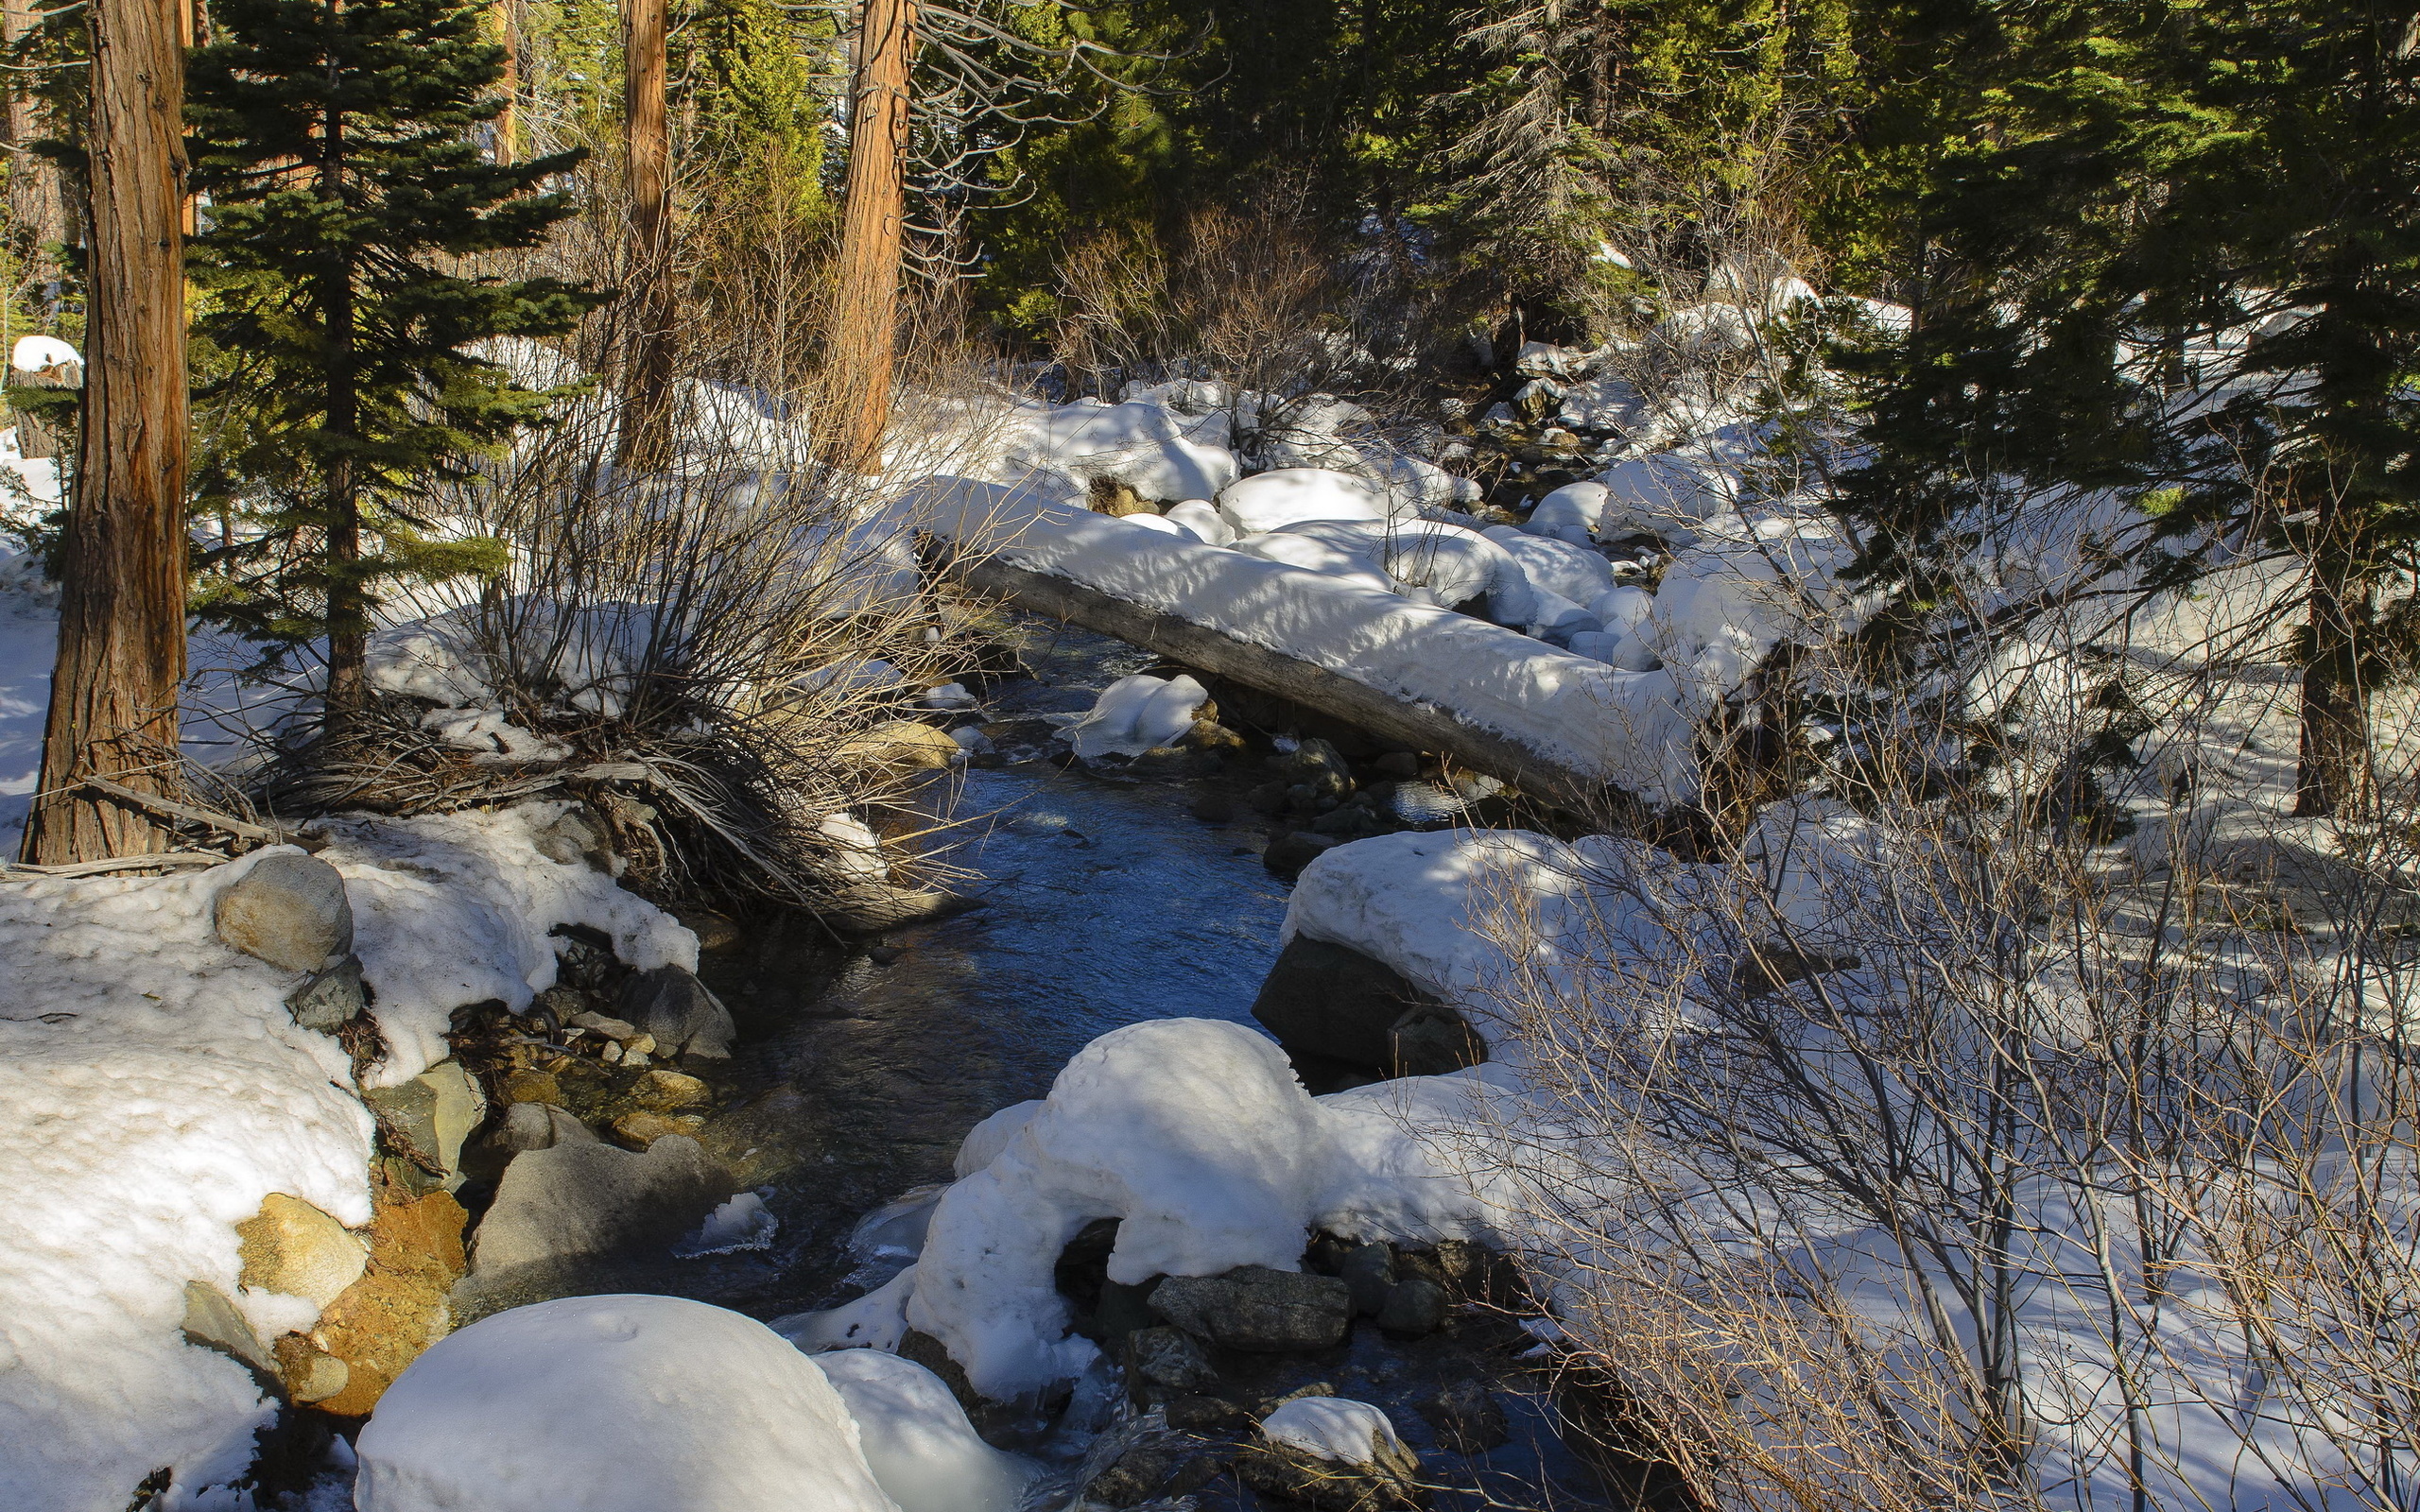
[[1259, 1309], [290, 910], [457, 1109], [1369, 1270], [583, 1198], [1333, 1454], [292, 1247], [1170, 1360], [538, 1126], [214, 1323], [1288, 855], [395, 1311], [331, 998], [675, 1007], [1432, 1040], [1414, 1308], [1337, 1003]]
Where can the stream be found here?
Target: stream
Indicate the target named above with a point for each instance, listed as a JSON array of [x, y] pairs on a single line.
[[1105, 903]]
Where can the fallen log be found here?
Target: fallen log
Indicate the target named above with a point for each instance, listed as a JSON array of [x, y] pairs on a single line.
[[1418, 725]]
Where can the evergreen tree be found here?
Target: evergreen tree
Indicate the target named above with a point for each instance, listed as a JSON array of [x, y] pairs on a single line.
[[334, 142], [2147, 189]]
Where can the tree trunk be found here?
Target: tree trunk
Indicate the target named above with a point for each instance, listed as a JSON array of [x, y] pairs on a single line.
[[647, 417], [2332, 764], [865, 312], [36, 213], [506, 25], [348, 600], [122, 611]]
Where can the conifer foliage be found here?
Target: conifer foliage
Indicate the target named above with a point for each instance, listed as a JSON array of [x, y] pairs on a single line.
[[348, 197]]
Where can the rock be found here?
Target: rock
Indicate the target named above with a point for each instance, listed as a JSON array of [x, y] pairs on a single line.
[[1400, 764], [310, 1373], [583, 963], [532, 1086], [1213, 808], [573, 839], [1333, 1454], [1432, 1040], [582, 1198], [459, 1107], [908, 742], [714, 931], [1467, 1417], [675, 1006], [871, 907], [293, 1248], [1121, 1309], [1205, 1415], [600, 1025], [212, 1321], [1158, 1463], [1259, 1309], [1414, 1308], [1370, 1271], [538, 1126], [1290, 853], [329, 999], [385, 1320], [666, 1091], [1327, 1000], [640, 1046], [290, 910], [1350, 822], [1315, 764], [641, 1129], [1170, 1359]]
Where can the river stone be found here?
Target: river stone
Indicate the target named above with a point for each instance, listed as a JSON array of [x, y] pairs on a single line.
[[588, 1198], [292, 1247], [1259, 1309], [1370, 1271], [1432, 1040], [290, 910], [213, 1322], [327, 1001], [398, 1307], [1389, 1481], [641, 1129], [1467, 1417], [1414, 1308], [1169, 1358], [1157, 1462], [1331, 1002], [1288, 855], [666, 1091], [456, 1109], [539, 1127], [310, 1373], [676, 1009]]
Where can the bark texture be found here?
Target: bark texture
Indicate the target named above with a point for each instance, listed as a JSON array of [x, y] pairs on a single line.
[[647, 427], [865, 312], [37, 211], [122, 612]]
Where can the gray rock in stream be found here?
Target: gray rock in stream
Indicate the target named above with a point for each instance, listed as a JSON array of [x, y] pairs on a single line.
[[583, 1197], [676, 1009], [1332, 1005], [1259, 1309], [290, 910]]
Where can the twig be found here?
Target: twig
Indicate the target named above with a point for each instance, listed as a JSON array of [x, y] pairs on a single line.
[[187, 812], [14, 872]]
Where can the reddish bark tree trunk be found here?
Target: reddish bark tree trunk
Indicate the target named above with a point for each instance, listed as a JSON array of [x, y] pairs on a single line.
[[36, 210], [122, 612], [865, 309], [647, 420], [508, 36]]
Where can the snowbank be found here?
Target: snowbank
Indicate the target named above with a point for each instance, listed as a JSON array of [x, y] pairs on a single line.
[[1624, 729], [916, 1437], [615, 1404]]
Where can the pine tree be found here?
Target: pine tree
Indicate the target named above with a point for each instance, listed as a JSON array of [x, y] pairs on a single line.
[[2146, 183], [335, 141]]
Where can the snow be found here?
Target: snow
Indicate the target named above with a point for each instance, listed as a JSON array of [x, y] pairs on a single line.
[[742, 1223], [1135, 714], [1331, 1427], [1570, 513], [1286, 497], [916, 1438], [1424, 561], [1578, 573], [1201, 518], [1196, 1134], [1140, 444], [34, 353], [621, 1403], [1625, 728]]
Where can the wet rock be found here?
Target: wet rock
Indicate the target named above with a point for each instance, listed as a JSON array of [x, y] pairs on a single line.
[[1290, 853], [385, 1320], [1432, 1040], [1331, 1002], [676, 1009], [640, 1130], [604, 1026], [528, 1086], [668, 1092], [1466, 1417], [1121, 1309], [1170, 1360], [1213, 808], [290, 910], [1334, 1456], [407, 1115], [871, 907], [1205, 1415], [457, 1109], [1316, 764], [580, 1198], [714, 931], [213, 1322], [1400, 764], [538, 1126], [1160, 1462], [1350, 822], [1369, 1270], [1414, 1308], [292, 1247], [330, 998], [1259, 1309]]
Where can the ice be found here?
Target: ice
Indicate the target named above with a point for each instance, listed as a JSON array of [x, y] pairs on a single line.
[[1196, 1134], [1136, 713], [1288, 496], [874, 1321], [917, 1440], [621, 1403], [1331, 1427], [742, 1223]]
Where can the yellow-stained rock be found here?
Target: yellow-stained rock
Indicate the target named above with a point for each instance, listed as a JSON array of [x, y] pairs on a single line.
[[532, 1086], [640, 1129], [901, 743], [665, 1091], [293, 1248], [397, 1309]]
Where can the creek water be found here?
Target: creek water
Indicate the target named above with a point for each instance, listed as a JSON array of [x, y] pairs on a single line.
[[861, 1067]]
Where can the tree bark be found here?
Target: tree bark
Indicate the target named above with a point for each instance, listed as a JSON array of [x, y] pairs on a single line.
[[865, 312], [2332, 764], [122, 610], [505, 23], [37, 212], [348, 601], [647, 419]]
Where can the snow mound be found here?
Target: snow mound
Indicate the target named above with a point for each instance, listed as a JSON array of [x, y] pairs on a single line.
[[1269, 501], [1142, 444], [1426, 562], [615, 1404], [1331, 1427], [916, 1437], [1136, 713], [1570, 513], [1196, 1134], [1578, 573]]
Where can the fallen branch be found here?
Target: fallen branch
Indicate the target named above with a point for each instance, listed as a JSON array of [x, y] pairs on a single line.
[[170, 808], [16, 872]]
